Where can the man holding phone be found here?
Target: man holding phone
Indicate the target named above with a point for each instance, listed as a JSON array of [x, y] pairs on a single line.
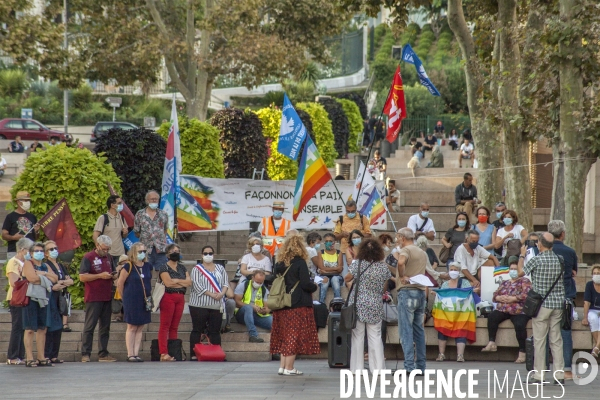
[[251, 301]]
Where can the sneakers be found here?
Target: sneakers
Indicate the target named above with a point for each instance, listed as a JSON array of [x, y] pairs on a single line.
[[256, 339], [106, 358], [85, 358], [280, 372], [292, 372], [440, 357]]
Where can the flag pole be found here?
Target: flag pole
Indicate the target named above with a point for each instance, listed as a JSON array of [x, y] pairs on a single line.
[[175, 234], [338, 191]]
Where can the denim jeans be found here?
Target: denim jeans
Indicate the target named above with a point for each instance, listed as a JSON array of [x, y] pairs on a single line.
[[336, 284], [157, 260], [251, 319], [411, 311]]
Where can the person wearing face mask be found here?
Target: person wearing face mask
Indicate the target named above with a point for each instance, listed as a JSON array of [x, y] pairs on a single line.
[[351, 221], [251, 302], [421, 224], [356, 238], [315, 262], [472, 256], [511, 230], [54, 334], [487, 231], [254, 260], [454, 282], [113, 225], [331, 269], [97, 273], [273, 229], [19, 223], [456, 235], [591, 309], [176, 279], [135, 287], [510, 298], [150, 225], [498, 224]]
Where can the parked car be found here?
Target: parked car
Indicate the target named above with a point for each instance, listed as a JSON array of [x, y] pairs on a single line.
[[102, 127], [29, 129]]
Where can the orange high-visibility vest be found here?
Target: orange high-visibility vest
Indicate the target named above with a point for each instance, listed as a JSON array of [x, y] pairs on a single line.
[[273, 240]]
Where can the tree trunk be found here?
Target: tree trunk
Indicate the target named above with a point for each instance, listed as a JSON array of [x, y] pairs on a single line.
[[577, 158], [558, 181], [489, 183], [516, 146]]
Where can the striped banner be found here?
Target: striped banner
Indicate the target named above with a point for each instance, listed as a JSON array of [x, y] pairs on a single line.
[[454, 313]]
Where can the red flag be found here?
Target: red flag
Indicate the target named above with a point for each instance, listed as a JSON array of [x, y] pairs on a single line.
[[126, 213], [395, 107], [58, 225]]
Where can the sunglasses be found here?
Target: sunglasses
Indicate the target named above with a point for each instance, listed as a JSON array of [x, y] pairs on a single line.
[[207, 254], [141, 251], [38, 251], [52, 249]]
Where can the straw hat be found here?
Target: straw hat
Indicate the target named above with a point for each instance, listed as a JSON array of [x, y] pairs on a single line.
[[279, 204], [23, 195]]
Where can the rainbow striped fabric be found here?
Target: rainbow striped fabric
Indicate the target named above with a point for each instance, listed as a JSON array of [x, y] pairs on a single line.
[[374, 208], [312, 176], [502, 269], [454, 313], [195, 211]]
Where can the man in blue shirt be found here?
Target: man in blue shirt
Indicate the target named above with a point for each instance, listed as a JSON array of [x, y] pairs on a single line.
[[557, 229]]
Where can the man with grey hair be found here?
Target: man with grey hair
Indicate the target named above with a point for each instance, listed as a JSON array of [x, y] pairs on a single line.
[[557, 229], [97, 273], [546, 272], [412, 300], [150, 225], [346, 224], [421, 224]]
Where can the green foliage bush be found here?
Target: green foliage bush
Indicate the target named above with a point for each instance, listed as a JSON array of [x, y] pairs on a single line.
[[13, 82], [358, 100], [420, 102], [355, 123], [81, 178], [323, 131], [244, 146], [201, 152], [279, 167], [82, 97]]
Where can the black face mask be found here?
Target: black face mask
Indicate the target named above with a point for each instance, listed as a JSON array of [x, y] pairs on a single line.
[[175, 256]]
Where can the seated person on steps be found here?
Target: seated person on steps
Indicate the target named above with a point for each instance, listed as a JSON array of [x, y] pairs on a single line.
[[251, 301]]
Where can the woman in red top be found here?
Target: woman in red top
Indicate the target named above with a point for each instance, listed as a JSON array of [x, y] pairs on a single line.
[[510, 297]]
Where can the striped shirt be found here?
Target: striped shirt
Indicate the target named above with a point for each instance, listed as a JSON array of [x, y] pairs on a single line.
[[200, 284]]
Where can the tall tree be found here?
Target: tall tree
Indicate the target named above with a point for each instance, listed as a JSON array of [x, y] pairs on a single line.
[[250, 40]]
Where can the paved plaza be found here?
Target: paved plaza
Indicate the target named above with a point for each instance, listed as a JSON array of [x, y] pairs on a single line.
[[229, 380]]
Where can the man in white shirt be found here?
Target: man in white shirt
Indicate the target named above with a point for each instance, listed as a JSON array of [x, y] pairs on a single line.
[[472, 257], [421, 224], [467, 152]]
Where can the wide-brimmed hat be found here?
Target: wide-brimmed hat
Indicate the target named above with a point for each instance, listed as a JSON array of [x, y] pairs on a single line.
[[279, 204], [23, 195]]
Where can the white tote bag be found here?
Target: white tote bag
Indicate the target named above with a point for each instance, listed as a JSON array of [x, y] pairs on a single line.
[[157, 294]]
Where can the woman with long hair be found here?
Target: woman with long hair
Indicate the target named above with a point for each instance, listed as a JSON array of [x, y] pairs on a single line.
[[456, 235], [294, 330]]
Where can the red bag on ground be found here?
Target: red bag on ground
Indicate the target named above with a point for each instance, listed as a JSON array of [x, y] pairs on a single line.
[[19, 294], [209, 352]]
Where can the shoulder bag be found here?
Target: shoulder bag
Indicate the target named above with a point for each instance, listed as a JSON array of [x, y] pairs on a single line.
[[157, 293], [19, 295], [534, 300], [348, 316], [278, 297], [444, 254]]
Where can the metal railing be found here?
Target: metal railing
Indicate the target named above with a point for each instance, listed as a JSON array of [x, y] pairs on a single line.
[[347, 51]]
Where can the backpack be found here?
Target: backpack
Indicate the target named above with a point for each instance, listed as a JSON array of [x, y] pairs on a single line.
[[362, 222], [107, 221], [278, 297]]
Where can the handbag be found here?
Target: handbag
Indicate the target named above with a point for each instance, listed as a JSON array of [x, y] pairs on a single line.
[[209, 352], [116, 306], [567, 316], [174, 348], [19, 294], [390, 313], [157, 294], [348, 317], [63, 305], [534, 300], [444, 254]]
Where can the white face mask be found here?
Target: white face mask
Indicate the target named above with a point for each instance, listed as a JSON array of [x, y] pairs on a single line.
[[207, 259], [386, 249], [26, 205], [596, 279], [256, 249], [256, 285], [453, 274]]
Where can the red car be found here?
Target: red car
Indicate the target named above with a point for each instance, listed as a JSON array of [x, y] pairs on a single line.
[[28, 129]]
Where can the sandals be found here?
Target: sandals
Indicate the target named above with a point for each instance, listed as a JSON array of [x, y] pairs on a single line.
[[44, 363], [521, 359], [66, 328], [166, 357], [31, 363], [292, 372], [16, 361], [460, 358], [490, 347], [595, 352], [56, 361], [440, 357], [132, 359]]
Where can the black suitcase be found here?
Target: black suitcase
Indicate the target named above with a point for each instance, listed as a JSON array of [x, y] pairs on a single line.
[[321, 314], [338, 346], [174, 347], [529, 352]]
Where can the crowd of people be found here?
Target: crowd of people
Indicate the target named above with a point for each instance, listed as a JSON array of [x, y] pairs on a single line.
[[350, 255]]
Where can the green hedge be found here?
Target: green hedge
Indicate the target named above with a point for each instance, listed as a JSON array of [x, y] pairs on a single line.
[[355, 123], [279, 167], [323, 131]]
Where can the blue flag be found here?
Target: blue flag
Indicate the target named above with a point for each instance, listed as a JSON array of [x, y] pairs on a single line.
[[409, 55], [292, 131]]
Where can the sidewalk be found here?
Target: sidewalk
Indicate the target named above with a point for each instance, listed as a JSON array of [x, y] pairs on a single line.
[[231, 380]]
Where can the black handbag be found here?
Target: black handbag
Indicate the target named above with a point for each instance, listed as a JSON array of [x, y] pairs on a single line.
[[63, 305], [534, 300], [174, 348], [348, 317], [567, 317]]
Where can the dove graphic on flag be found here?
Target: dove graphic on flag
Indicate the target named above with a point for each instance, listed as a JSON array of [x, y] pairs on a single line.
[[409, 55], [292, 131]]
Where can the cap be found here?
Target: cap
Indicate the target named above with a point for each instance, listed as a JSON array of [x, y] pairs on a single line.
[[23, 195], [279, 204], [513, 260], [123, 258]]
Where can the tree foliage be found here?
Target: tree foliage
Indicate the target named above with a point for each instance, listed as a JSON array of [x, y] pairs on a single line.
[[279, 167], [323, 131], [137, 156], [244, 146], [81, 178], [360, 102], [355, 123], [201, 152], [339, 124]]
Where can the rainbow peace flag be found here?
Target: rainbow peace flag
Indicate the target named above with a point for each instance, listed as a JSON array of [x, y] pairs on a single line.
[[374, 207], [312, 176], [454, 313], [190, 216], [502, 269], [201, 194]]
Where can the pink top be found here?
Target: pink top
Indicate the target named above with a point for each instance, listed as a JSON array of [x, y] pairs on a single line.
[[519, 288]]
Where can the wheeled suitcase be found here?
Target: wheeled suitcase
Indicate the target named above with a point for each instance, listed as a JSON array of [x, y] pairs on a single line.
[[338, 346], [529, 352]]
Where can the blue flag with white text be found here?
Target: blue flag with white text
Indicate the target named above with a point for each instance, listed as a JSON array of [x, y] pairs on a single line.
[[409, 55], [292, 131]]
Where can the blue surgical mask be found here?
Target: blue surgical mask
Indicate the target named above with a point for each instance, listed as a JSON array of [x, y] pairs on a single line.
[[317, 246], [356, 241], [27, 256], [153, 206], [277, 213], [38, 255], [351, 215], [513, 273], [329, 245], [54, 254], [507, 221], [120, 208], [141, 255], [462, 223], [424, 214], [499, 215]]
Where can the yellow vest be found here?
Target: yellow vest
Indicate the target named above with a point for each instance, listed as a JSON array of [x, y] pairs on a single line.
[[258, 299]]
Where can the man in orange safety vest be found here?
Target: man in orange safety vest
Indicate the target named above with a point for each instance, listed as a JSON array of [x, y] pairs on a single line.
[[274, 228]]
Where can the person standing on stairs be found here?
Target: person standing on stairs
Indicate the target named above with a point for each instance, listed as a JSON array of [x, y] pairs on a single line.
[[273, 229], [347, 223], [150, 225], [19, 224], [113, 225]]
